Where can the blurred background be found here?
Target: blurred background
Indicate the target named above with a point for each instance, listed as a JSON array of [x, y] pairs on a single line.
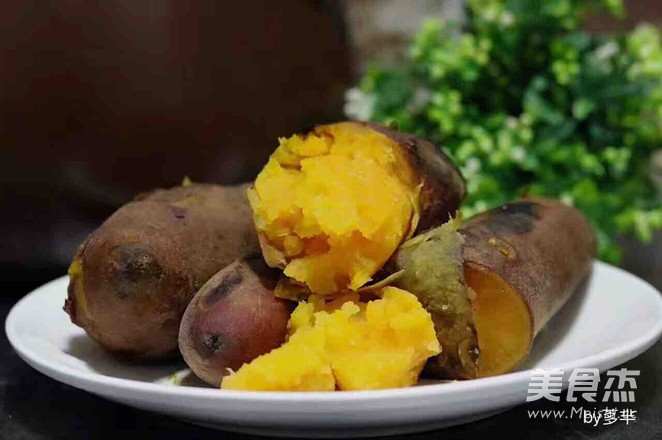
[[100, 101]]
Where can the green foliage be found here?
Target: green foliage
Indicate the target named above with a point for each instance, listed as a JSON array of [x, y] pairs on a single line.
[[527, 102]]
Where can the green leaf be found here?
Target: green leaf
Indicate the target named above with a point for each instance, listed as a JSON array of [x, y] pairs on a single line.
[[524, 100]]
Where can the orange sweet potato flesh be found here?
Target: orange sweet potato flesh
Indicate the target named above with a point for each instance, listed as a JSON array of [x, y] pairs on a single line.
[[523, 260], [333, 204], [502, 322]]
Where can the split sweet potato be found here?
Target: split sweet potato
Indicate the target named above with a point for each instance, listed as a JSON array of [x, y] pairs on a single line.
[[524, 260], [333, 204], [492, 285]]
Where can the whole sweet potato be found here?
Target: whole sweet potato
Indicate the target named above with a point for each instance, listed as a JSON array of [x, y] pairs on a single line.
[[132, 279], [233, 319]]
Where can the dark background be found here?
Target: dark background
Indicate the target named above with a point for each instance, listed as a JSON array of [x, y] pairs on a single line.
[[102, 100]]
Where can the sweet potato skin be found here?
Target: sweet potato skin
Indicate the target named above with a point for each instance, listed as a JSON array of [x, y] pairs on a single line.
[[541, 248], [430, 266], [132, 279], [443, 189], [233, 319]]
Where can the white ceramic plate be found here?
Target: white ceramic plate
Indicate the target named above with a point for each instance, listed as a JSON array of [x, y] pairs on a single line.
[[613, 319]]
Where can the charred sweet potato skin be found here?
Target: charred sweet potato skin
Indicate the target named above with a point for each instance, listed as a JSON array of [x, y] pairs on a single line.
[[233, 319], [443, 189], [132, 279], [542, 248]]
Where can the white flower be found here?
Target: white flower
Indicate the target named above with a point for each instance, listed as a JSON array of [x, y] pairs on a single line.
[[420, 100], [606, 51], [489, 14], [567, 199], [358, 105], [472, 166], [507, 18], [480, 206], [518, 154]]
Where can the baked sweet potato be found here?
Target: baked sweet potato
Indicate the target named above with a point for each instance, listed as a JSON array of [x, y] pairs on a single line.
[[333, 204], [491, 286], [524, 260], [132, 279], [233, 319]]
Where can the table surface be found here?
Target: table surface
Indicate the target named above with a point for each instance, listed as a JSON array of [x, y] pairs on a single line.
[[33, 406]]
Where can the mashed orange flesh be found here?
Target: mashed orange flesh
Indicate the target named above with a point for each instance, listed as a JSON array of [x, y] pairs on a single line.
[[346, 344], [332, 206]]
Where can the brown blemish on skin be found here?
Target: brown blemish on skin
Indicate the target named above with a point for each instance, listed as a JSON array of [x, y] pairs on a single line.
[[513, 218], [213, 343], [503, 247], [231, 280], [178, 211], [132, 264]]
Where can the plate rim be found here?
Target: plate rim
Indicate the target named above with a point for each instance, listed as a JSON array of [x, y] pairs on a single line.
[[79, 378]]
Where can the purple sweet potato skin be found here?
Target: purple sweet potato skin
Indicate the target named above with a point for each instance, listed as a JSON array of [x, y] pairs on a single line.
[[541, 247], [233, 319], [141, 267]]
